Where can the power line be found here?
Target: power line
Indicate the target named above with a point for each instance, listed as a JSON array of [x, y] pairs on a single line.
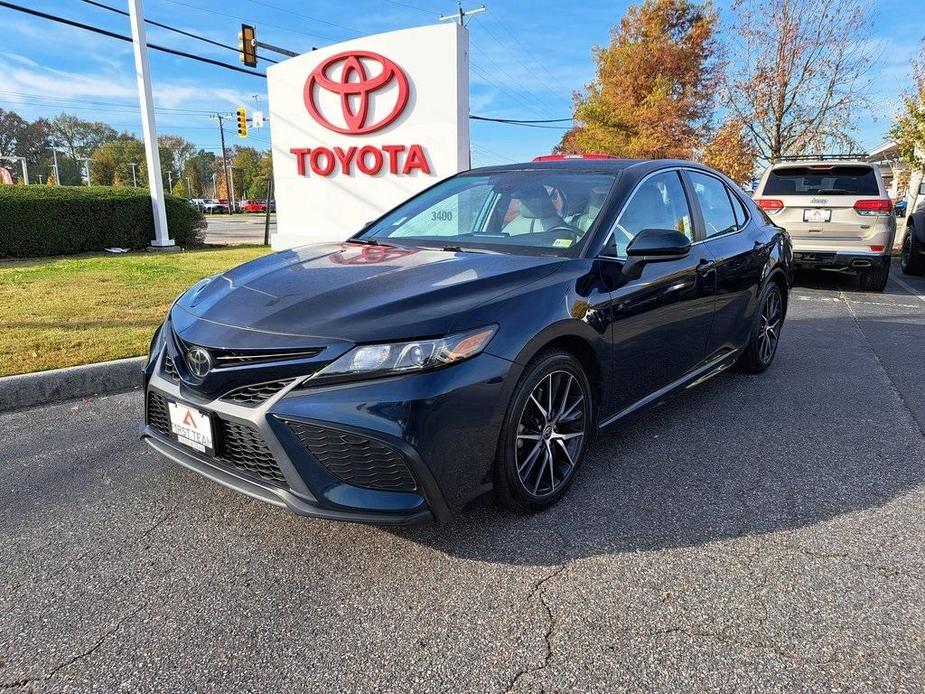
[[191, 35], [524, 49], [521, 121], [122, 37], [247, 19]]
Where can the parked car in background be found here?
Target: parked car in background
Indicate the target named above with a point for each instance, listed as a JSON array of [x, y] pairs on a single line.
[[912, 256], [254, 206], [837, 211], [476, 337], [212, 206]]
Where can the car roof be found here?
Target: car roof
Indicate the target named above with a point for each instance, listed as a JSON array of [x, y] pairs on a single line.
[[589, 165], [809, 161]]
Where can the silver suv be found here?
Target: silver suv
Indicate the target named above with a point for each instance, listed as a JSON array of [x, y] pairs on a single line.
[[837, 212]]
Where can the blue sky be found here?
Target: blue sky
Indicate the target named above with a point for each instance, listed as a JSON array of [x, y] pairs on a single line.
[[527, 58]]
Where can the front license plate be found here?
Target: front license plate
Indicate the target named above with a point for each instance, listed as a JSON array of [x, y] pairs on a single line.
[[817, 216], [191, 427]]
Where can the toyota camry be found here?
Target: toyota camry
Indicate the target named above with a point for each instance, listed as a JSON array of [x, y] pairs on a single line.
[[471, 340]]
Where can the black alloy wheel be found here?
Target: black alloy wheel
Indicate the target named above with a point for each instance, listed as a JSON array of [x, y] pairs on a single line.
[[546, 434], [772, 317], [762, 346], [911, 261]]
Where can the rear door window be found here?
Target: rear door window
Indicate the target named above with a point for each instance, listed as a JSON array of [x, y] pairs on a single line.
[[822, 180], [715, 204]]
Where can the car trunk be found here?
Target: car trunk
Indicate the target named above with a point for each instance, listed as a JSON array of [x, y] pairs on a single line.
[[820, 200]]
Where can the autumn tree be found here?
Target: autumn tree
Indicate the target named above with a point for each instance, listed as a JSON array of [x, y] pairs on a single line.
[[730, 150], [112, 163], [652, 95], [797, 73], [80, 137], [908, 129]]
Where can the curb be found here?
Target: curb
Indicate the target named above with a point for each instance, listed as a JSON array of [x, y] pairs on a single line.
[[44, 387]]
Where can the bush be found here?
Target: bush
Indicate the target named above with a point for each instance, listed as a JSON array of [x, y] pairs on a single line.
[[42, 220]]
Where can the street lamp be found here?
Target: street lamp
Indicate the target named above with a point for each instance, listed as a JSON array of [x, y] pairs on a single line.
[[54, 151], [86, 161]]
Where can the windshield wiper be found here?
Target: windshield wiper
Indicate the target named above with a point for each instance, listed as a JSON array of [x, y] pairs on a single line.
[[368, 242]]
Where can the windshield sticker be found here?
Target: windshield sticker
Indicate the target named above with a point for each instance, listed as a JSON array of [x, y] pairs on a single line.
[[562, 243]]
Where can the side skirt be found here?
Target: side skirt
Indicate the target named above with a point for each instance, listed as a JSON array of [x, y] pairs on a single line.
[[703, 373]]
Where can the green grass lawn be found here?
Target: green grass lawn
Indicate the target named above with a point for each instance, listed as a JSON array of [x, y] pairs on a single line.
[[78, 310]]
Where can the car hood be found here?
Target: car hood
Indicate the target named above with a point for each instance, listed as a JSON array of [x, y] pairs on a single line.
[[356, 293]]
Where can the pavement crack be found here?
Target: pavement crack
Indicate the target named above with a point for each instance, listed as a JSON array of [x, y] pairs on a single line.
[[552, 624], [896, 391], [76, 657]]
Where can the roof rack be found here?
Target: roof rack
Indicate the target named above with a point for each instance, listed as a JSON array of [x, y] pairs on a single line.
[[820, 157]]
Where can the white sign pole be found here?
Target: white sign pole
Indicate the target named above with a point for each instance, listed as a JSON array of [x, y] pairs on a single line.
[[152, 157]]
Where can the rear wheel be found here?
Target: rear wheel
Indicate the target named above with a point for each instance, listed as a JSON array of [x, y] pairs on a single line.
[[875, 279], [546, 433], [911, 261], [762, 346]]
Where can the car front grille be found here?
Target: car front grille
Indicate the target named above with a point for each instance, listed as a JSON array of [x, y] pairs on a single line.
[[226, 357], [237, 445], [355, 459], [251, 396]]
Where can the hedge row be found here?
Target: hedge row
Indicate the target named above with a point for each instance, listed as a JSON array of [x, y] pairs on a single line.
[[42, 220]]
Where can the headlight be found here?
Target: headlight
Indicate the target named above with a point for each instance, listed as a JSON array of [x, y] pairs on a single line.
[[371, 361]]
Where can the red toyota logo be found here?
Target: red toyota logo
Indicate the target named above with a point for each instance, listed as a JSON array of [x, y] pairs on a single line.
[[355, 88]]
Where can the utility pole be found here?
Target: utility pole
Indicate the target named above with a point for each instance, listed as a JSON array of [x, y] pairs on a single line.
[[148, 128], [460, 15], [134, 177], [169, 181], [189, 189], [220, 117], [214, 189], [54, 153]]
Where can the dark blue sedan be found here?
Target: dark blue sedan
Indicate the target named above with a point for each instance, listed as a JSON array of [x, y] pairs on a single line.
[[471, 340]]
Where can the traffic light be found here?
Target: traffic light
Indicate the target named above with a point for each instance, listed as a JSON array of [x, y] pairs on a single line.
[[242, 121], [248, 47]]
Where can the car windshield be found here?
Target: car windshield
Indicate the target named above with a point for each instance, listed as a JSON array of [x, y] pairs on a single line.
[[822, 179], [521, 212]]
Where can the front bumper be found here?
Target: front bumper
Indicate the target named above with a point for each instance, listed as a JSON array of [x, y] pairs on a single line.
[[346, 452]]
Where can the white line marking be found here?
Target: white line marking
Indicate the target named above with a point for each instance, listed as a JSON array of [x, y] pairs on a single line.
[[908, 287]]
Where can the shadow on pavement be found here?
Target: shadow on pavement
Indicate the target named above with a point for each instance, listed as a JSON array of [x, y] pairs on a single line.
[[804, 443]]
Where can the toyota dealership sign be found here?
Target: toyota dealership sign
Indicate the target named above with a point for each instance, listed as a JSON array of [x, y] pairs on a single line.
[[359, 126]]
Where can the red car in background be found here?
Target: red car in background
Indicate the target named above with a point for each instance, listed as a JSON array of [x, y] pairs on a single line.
[[255, 206]]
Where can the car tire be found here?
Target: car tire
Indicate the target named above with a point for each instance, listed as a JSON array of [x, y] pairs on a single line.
[[911, 261], [765, 334], [542, 447], [875, 279]]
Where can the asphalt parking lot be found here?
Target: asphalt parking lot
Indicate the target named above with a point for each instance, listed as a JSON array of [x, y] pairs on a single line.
[[224, 229], [753, 534]]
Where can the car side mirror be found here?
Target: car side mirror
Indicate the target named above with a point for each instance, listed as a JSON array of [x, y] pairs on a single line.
[[654, 246]]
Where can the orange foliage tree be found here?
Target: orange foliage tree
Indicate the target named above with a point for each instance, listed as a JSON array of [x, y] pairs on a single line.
[[653, 93], [731, 151]]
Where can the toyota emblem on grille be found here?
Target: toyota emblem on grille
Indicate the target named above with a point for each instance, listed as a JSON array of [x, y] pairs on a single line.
[[199, 362]]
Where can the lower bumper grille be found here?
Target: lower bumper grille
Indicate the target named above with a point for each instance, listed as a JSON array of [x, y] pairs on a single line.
[[356, 459], [238, 445]]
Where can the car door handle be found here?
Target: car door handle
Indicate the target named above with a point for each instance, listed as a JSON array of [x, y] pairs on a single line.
[[705, 267]]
